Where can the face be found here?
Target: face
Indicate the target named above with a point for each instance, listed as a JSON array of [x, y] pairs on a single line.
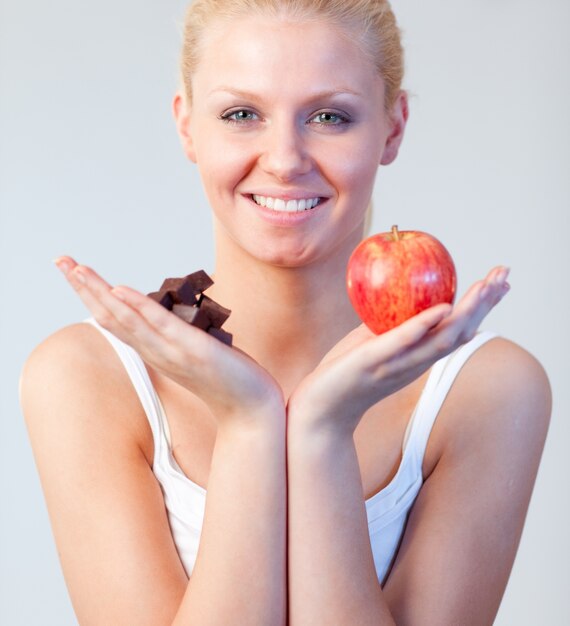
[[287, 115]]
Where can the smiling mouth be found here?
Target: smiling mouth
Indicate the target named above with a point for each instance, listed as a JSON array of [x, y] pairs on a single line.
[[286, 206]]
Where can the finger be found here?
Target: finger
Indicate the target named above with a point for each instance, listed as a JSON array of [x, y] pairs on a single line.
[[354, 339], [64, 264], [78, 279], [161, 320], [133, 317], [393, 343], [475, 306], [489, 297], [496, 284], [115, 314], [490, 286], [109, 311], [126, 312], [461, 326]]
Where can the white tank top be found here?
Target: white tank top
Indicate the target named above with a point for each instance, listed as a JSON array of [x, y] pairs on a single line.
[[387, 510]]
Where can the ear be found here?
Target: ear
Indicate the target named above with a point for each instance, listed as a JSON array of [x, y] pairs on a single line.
[[398, 119], [182, 117]]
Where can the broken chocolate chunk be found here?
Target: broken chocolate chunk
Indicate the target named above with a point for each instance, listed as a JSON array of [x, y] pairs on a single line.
[[184, 294], [184, 297], [200, 281], [180, 291], [163, 297], [197, 282], [171, 284], [193, 315], [216, 312]]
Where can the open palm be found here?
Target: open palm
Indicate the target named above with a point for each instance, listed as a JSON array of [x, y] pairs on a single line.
[[362, 368]]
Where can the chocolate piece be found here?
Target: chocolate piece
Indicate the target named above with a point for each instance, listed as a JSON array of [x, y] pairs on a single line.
[[200, 281], [171, 284], [220, 334], [180, 291], [216, 312], [179, 295], [192, 314], [193, 284], [164, 298], [184, 295]]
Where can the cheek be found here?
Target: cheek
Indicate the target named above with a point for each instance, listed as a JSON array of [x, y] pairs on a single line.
[[354, 168], [222, 164]]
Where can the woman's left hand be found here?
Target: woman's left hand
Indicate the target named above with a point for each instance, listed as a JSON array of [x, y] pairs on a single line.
[[363, 368]]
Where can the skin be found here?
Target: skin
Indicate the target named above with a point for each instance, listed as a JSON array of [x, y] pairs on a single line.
[[299, 346]]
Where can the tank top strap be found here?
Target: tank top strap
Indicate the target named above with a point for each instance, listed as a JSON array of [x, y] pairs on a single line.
[[439, 383], [138, 374]]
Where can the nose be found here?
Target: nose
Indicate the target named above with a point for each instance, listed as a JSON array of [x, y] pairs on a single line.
[[284, 151]]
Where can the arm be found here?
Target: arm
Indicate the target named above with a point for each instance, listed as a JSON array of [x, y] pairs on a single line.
[[332, 578], [241, 564], [466, 524], [464, 528], [331, 569], [107, 511]]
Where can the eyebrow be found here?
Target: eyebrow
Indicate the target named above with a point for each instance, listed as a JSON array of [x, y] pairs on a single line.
[[339, 91]]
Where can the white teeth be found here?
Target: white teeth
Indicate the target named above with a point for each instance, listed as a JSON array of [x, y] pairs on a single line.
[[291, 206]]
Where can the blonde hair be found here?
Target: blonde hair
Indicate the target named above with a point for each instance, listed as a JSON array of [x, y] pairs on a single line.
[[371, 24]]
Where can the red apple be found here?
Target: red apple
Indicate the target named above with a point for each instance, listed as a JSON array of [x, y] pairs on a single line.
[[393, 276]]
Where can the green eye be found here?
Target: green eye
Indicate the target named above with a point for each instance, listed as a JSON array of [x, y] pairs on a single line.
[[237, 117], [242, 115], [328, 118]]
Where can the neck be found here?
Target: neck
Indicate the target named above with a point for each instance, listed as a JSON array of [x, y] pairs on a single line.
[[286, 318]]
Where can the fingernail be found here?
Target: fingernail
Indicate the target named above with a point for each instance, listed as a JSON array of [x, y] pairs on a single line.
[[501, 277], [62, 265], [80, 276]]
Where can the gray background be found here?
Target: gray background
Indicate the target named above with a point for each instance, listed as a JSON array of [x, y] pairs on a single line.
[[90, 166]]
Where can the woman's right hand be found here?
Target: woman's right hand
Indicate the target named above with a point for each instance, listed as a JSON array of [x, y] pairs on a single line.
[[364, 368], [238, 391]]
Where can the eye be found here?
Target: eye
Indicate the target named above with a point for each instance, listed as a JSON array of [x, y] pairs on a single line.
[[238, 116], [330, 118]]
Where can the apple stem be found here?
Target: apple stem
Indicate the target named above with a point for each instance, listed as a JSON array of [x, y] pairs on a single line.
[[395, 233]]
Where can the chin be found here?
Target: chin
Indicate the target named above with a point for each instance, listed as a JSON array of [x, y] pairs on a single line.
[[310, 255], [291, 249], [285, 258]]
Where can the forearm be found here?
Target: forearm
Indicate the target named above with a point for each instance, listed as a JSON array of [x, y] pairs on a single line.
[[332, 577], [240, 571]]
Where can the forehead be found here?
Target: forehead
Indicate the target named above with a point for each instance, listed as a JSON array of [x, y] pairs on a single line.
[[267, 54]]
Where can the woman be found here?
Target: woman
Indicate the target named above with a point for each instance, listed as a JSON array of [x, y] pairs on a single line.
[[334, 496]]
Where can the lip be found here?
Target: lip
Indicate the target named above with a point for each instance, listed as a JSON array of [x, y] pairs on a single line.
[[284, 218]]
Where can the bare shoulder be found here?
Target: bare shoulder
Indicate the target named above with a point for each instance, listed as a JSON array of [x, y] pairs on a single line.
[[507, 366], [501, 392], [76, 344], [76, 366], [466, 523], [86, 424]]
